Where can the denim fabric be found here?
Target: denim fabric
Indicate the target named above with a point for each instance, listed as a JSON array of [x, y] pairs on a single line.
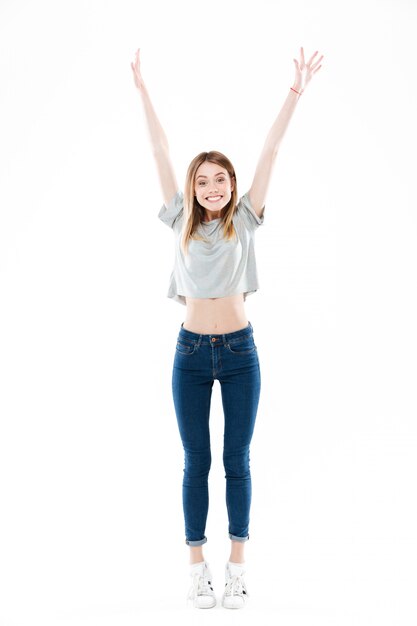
[[199, 360]]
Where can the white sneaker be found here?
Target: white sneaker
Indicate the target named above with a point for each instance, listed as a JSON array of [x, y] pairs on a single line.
[[201, 594], [235, 593]]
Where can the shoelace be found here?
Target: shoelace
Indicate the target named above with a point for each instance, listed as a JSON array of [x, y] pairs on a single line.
[[235, 586], [201, 586]]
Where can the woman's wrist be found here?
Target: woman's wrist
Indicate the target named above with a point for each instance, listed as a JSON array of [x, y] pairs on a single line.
[[297, 88]]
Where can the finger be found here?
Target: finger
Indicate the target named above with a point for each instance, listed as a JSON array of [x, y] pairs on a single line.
[[312, 57], [302, 56], [320, 58], [318, 61]]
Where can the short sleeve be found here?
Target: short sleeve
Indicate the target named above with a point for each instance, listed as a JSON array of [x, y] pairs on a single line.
[[173, 211], [247, 214]]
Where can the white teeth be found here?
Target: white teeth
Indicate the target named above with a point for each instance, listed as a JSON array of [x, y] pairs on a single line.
[[214, 199]]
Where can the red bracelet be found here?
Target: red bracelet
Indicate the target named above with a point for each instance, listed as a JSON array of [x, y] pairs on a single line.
[[299, 93]]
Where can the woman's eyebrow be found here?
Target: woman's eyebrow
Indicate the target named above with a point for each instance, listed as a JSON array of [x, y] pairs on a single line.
[[202, 176]]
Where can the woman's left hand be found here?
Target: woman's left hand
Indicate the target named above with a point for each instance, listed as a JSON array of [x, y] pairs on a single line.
[[304, 71]]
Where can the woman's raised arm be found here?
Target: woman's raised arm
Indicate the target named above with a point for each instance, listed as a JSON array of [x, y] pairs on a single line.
[[158, 138], [304, 72]]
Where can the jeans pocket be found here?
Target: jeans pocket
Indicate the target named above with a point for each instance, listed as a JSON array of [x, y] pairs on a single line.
[[185, 347], [242, 345]]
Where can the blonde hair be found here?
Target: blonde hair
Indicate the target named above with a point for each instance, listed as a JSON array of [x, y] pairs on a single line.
[[194, 212]]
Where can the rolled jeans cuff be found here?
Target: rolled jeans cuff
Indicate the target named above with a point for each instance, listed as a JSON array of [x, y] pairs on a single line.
[[198, 542], [234, 538]]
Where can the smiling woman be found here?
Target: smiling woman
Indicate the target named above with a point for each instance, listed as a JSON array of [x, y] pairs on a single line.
[[210, 174], [214, 271], [205, 182], [215, 256]]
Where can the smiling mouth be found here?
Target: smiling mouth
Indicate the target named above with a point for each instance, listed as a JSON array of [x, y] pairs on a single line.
[[213, 198]]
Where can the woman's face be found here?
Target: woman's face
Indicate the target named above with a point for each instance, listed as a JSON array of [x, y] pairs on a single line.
[[213, 188]]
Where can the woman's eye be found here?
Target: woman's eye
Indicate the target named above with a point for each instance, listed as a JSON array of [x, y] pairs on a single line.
[[203, 182]]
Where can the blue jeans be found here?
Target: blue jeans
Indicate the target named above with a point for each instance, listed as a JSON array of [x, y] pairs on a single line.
[[232, 359]]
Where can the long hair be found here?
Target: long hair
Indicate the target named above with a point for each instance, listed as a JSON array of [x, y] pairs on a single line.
[[194, 212]]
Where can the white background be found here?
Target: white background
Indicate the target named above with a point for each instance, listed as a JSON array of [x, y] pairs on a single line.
[[91, 525]]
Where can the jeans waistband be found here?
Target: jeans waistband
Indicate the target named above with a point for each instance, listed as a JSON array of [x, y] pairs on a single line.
[[215, 338]]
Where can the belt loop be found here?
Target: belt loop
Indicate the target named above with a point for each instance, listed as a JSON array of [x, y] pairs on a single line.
[[224, 338]]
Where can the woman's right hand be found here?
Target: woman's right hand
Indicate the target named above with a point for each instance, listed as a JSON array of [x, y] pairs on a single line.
[[136, 71]]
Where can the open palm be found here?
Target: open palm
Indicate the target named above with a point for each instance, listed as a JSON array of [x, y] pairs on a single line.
[[304, 71]]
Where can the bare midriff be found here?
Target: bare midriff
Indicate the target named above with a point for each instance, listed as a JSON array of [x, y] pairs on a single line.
[[211, 316]]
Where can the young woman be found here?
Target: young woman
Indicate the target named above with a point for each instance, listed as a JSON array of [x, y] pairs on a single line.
[[215, 270]]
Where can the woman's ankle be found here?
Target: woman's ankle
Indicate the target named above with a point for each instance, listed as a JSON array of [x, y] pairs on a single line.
[[196, 555]]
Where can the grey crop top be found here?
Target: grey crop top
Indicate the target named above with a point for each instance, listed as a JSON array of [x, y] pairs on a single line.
[[220, 267]]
